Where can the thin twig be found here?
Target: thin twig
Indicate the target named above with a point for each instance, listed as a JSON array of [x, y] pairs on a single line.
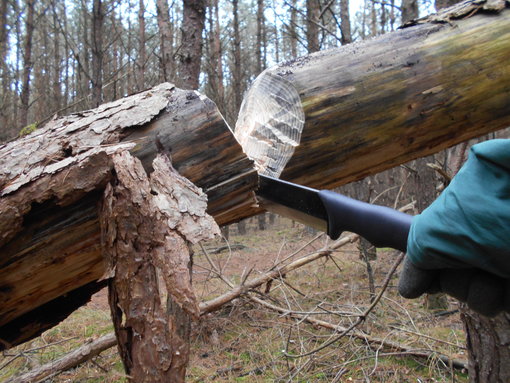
[[429, 337], [361, 318]]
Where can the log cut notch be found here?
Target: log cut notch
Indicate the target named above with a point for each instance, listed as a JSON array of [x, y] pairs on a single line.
[[336, 116], [51, 182]]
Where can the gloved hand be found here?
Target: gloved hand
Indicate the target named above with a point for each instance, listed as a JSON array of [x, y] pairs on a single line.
[[483, 292], [460, 244]]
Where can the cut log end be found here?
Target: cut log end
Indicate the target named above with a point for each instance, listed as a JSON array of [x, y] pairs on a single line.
[[270, 123]]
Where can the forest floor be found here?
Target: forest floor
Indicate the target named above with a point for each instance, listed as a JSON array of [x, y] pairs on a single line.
[[246, 341]]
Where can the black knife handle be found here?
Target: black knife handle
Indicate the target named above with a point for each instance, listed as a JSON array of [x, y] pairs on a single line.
[[382, 226]]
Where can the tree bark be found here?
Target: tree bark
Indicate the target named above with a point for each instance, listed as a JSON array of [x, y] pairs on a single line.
[[49, 232], [487, 341], [165, 41], [312, 29], [98, 15], [190, 55], [236, 47], [409, 10], [260, 62], [142, 54], [147, 223], [27, 63], [345, 22], [357, 110]]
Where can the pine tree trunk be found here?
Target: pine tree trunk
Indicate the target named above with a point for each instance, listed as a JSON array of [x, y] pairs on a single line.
[[27, 62], [409, 10], [165, 41], [190, 54], [345, 23], [142, 54], [312, 29], [488, 345]]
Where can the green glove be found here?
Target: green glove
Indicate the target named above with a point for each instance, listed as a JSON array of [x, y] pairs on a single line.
[[460, 244]]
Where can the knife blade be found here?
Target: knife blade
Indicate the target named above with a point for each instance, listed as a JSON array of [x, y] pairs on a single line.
[[335, 213]]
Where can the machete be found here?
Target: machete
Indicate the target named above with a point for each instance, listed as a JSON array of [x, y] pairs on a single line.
[[334, 213]]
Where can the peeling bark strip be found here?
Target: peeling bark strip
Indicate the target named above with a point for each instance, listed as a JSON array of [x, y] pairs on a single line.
[[375, 104], [52, 180], [146, 225]]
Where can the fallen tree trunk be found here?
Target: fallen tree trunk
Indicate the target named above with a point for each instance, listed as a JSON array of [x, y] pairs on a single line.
[[52, 180], [337, 116]]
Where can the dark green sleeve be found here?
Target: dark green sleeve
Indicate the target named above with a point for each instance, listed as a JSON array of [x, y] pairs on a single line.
[[469, 224]]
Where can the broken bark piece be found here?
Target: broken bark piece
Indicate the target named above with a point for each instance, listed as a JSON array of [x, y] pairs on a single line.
[[147, 223], [52, 180], [375, 104]]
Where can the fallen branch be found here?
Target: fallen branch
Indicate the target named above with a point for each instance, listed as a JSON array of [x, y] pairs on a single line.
[[68, 361], [236, 291], [372, 341]]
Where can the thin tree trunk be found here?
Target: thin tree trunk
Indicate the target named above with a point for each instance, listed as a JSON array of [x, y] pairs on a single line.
[[4, 77], [383, 18], [292, 30], [219, 54], [75, 153], [16, 85], [312, 29], [98, 15], [166, 39], [409, 10], [27, 63], [142, 54], [67, 58], [373, 18], [3, 39], [345, 22], [190, 54], [261, 220], [237, 74], [236, 70], [260, 36], [57, 71]]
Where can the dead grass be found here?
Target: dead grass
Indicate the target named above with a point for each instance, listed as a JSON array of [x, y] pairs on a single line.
[[247, 342]]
